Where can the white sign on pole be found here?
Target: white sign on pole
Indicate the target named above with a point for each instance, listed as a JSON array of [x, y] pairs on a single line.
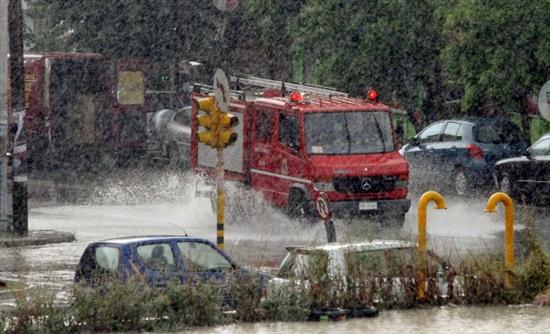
[[323, 206], [544, 101], [221, 90], [226, 5]]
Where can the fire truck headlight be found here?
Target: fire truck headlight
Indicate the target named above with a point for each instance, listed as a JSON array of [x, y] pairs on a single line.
[[323, 186]]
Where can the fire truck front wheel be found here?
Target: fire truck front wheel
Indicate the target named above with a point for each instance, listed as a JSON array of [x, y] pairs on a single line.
[[299, 207]]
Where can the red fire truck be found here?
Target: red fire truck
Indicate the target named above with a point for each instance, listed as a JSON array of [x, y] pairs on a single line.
[[82, 110], [291, 147]]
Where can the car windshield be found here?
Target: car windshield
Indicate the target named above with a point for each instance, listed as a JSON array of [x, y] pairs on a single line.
[[542, 147], [383, 263], [497, 133], [200, 257], [304, 265], [351, 132]]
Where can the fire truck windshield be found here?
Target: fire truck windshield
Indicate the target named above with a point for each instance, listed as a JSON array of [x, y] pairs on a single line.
[[350, 132]]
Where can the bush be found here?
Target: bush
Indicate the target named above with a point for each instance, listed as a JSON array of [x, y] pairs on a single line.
[[291, 302]]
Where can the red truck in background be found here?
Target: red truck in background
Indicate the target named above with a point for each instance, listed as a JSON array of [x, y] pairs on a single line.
[[293, 147], [83, 110]]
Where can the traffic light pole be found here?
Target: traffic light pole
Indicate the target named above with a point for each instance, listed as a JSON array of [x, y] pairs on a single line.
[[220, 197], [17, 146]]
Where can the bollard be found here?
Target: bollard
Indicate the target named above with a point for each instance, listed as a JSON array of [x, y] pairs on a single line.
[[422, 239], [509, 254]]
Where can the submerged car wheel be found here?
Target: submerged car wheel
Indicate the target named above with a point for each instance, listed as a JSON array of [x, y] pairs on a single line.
[[461, 184]]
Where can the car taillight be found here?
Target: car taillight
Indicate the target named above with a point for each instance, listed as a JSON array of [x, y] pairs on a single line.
[[475, 152]]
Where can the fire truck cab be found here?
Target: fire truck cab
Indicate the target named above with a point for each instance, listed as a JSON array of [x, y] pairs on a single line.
[[292, 147]]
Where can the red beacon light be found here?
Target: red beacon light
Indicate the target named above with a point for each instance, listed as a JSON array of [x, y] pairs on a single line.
[[296, 97], [372, 95]]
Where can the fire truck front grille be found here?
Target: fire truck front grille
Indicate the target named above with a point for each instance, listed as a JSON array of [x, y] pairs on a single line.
[[364, 184]]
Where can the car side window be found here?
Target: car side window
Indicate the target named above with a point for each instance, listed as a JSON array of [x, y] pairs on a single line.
[[452, 132], [541, 148], [432, 133], [201, 257], [289, 134], [263, 128], [157, 257], [107, 259]]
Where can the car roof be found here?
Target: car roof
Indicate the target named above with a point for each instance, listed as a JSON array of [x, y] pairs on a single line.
[[357, 246], [149, 238], [477, 119]]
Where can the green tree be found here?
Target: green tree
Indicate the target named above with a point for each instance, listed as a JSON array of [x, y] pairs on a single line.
[[115, 28], [274, 23], [391, 45], [499, 52]]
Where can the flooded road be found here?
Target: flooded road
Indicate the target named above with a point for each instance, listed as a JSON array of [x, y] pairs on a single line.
[[256, 233], [445, 320]]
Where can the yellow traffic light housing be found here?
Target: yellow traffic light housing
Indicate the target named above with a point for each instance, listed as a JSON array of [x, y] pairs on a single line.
[[227, 135], [209, 120], [218, 125], [206, 104], [226, 138]]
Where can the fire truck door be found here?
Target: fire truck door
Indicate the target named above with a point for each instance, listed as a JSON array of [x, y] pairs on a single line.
[[287, 163], [262, 169]]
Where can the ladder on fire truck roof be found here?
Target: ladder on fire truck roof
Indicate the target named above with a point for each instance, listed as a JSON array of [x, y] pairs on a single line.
[[285, 86]]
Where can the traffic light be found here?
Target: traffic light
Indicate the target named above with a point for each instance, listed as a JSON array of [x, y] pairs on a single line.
[[218, 125], [227, 135], [208, 121]]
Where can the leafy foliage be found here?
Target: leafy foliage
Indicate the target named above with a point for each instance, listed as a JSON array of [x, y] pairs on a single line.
[[498, 52], [421, 55]]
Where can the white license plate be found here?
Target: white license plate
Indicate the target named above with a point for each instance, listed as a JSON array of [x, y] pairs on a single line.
[[368, 206]]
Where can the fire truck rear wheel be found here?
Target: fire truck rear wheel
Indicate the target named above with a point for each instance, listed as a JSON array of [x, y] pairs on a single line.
[[298, 207]]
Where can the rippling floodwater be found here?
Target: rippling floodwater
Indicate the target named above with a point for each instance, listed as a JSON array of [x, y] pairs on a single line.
[[447, 320]]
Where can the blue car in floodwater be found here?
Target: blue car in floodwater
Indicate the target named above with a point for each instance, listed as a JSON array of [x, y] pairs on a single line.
[[461, 153], [157, 260]]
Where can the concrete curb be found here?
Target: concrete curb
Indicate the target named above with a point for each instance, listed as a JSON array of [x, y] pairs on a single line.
[[36, 238]]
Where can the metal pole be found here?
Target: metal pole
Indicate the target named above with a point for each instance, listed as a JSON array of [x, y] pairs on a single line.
[[16, 130], [3, 115], [220, 197], [331, 230]]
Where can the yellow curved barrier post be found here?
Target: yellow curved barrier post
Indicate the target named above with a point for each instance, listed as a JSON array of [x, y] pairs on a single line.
[[422, 238], [509, 254]]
